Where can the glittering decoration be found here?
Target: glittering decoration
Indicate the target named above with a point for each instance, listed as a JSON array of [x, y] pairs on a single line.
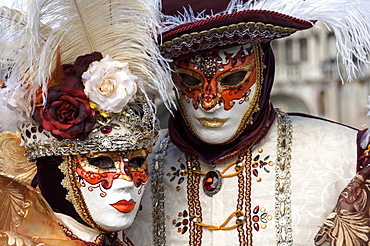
[[128, 130], [234, 34], [178, 174], [260, 163], [182, 222], [283, 223], [260, 218], [212, 182], [158, 198]]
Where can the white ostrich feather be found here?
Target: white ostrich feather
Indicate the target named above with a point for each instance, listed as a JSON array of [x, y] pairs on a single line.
[[122, 29], [349, 20]]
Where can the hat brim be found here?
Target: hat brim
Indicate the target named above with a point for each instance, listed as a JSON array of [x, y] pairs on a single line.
[[223, 31]]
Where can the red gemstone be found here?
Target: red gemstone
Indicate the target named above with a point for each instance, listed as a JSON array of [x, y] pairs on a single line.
[[255, 218], [256, 209], [184, 230], [255, 172], [210, 181], [106, 129], [256, 226]]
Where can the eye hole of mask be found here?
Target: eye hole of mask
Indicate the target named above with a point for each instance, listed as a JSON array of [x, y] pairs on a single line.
[[137, 161], [188, 79], [103, 162], [234, 78]]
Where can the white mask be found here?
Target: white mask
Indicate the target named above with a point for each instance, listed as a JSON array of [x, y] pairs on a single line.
[[219, 91], [110, 187]]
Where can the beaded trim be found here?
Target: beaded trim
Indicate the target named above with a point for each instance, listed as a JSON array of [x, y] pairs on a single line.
[[158, 196], [241, 33], [243, 200], [283, 192]]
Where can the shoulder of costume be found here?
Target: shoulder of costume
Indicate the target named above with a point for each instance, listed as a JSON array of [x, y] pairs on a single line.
[[23, 207], [362, 148], [321, 120]]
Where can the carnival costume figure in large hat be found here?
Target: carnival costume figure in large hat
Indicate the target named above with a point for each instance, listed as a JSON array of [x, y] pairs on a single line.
[[234, 170], [81, 83]]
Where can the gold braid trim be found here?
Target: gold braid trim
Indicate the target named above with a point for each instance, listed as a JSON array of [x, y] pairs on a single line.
[[247, 240], [195, 209], [230, 28]]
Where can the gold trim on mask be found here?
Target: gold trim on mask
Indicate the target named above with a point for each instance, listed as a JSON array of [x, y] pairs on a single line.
[[253, 107], [74, 195]]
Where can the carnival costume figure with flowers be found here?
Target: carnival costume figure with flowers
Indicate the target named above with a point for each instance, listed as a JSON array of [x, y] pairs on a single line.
[[236, 171], [83, 77]]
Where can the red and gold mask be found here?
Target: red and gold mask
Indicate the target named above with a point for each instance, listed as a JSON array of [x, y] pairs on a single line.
[[219, 91], [106, 188], [215, 78]]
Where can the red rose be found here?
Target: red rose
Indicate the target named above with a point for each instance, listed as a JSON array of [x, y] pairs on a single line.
[[67, 114]]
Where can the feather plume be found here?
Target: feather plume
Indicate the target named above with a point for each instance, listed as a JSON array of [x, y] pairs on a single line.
[[53, 30], [349, 20]]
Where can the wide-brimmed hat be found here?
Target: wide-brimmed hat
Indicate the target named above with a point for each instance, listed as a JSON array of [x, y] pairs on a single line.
[[194, 26]]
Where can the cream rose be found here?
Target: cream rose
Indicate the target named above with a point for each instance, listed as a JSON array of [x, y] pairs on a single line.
[[109, 84]]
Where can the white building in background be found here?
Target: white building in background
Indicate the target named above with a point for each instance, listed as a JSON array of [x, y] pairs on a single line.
[[307, 79]]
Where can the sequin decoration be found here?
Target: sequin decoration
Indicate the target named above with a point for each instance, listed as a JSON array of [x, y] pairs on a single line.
[[283, 218], [182, 222], [177, 174], [158, 197], [261, 164], [260, 218]]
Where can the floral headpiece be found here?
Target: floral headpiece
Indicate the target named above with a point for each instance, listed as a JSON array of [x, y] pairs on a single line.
[[97, 107], [66, 104]]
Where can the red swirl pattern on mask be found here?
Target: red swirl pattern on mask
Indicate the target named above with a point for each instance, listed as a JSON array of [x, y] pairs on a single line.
[[139, 178], [106, 179]]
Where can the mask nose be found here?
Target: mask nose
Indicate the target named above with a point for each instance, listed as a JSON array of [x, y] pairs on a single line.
[[209, 95], [124, 169]]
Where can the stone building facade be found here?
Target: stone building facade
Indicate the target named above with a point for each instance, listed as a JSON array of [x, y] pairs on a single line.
[[308, 79]]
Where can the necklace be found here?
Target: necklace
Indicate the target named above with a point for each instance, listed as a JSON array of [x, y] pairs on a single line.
[[212, 181]]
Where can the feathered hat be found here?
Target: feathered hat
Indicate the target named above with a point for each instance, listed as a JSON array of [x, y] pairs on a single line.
[[200, 26], [82, 75]]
